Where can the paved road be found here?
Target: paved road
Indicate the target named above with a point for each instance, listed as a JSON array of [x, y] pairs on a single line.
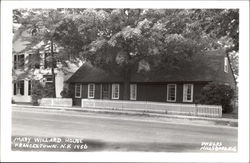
[[120, 133]]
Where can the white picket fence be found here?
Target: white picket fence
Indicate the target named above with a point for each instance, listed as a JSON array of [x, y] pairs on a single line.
[[156, 107], [66, 102]]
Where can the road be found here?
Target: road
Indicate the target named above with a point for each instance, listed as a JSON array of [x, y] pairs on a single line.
[[119, 132]]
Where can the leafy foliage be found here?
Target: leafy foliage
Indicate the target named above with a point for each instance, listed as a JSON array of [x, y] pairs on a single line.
[[218, 94], [36, 91], [66, 93], [126, 40], [40, 91]]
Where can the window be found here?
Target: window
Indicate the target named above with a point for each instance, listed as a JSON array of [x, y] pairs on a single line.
[[188, 92], [91, 91], [18, 87], [78, 90], [29, 87], [21, 87], [115, 91], [225, 64], [105, 91], [171, 92], [19, 61], [133, 91]]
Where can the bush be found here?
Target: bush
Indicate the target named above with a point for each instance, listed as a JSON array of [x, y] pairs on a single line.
[[36, 91], [65, 93], [13, 101], [218, 94], [48, 90], [40, 91]]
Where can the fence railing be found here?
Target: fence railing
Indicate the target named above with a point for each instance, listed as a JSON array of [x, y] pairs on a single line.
[[156, 107], [67, 102]]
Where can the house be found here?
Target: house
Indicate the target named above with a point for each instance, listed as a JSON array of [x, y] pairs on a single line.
[[39, 69], [182, 85]]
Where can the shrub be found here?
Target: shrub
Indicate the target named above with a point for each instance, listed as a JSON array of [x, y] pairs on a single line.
[[13, 101], [218, 94], [48, 90], [65, 93], [36, 91]]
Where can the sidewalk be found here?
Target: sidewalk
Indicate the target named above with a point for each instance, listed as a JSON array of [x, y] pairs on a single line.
[[216, 121]]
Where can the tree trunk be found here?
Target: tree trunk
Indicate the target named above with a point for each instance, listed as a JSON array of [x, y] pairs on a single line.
[[127, 74], [127, 77], [52, 69]]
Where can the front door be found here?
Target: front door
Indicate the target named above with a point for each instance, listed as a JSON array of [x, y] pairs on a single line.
[[105, 91]]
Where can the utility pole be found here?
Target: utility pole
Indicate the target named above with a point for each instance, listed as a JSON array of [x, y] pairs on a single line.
[[52, 68]]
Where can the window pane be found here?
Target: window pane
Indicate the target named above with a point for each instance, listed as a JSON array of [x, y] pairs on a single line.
[[91, 90], [105, 91], [115, 91], [187, 92], [171, 89], [78, 90]]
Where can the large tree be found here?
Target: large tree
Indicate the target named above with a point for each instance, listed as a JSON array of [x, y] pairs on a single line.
[[44, 30], [125, 40]]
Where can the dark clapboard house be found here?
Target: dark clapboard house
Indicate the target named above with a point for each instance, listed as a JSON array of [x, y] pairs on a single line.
[[179, 86]]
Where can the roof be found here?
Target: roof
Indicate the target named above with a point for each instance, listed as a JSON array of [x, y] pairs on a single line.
[[209, 68], [89, 73]]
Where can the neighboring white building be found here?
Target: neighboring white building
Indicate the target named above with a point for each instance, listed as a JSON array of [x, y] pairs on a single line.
[[41, 71]]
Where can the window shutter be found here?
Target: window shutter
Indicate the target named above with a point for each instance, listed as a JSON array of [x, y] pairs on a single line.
[[29, 88], [15, 61], [45, 60], [14, 87]]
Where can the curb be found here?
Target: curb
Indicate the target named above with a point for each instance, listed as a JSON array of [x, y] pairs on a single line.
[[217, 121]]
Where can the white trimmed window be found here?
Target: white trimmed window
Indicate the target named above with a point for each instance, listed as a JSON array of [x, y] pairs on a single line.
[[91, 90], [18, 87], [225, 64], [115, 91], [133, 91], [188, 90], [78, 90], [19, 61], [171, 92]]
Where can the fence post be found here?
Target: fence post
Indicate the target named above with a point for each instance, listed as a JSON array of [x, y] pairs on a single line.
[[196, 109]]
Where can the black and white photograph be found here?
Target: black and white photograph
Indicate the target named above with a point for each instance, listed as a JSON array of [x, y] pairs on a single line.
[[125, 79]]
